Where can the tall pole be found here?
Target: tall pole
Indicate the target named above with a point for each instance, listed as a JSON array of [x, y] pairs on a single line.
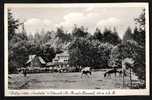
[[123, 72], [123, 78], [130, 78]]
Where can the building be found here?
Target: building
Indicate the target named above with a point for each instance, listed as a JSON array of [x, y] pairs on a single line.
[[35, 61], [61, 58]]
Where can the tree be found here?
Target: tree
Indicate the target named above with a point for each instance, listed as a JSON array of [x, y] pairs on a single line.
[[79, 32], [116, 37], [78, 50], [17, 51], [122, 51], [128, 35], [13, 24], [30, 37], [141, 21], [139, 37], [98, 35], [47, 36], [59, 32], [18, 54], [93, 53], [139, 31], [111, 37], [36, 36], [63, 36], [104, 50], [47, 52]]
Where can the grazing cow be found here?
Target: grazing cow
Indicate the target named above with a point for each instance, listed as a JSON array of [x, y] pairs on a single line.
[[108, 73], [85, 71], [114, 71]]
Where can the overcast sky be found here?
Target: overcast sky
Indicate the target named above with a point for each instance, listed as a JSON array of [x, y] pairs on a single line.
[[49, 18]]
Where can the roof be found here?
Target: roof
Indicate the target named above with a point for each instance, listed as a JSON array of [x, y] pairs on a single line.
[[65, 53], [31, 57], [67, 45], [41, 60], [49, 64]]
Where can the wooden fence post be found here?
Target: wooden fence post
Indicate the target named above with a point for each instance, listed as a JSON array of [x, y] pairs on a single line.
[[123, 78], [130, 78]]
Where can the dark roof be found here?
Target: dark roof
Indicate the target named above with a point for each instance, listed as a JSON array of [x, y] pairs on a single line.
[[31, 57]]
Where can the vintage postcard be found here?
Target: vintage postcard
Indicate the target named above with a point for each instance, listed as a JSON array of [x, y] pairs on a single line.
[[89, 49]]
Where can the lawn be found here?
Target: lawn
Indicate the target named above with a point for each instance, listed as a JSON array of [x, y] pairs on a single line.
[[66, 81]]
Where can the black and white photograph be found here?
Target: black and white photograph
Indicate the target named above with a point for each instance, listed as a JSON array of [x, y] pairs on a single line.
[[76, 49]]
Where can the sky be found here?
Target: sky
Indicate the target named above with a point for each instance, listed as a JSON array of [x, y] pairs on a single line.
[[91, 17]]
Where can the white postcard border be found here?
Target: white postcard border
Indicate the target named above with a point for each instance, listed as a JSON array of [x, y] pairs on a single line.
[[77, 92]]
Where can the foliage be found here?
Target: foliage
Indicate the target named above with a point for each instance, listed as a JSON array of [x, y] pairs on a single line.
[[139, 36], [139, 31], [84, 52], [140, 21], [79, 32], [48, 52], [12, 25], [98, 35], [18, 54], [16, 44], [128, 35], [133, 46], [122, 51], [111, 37]]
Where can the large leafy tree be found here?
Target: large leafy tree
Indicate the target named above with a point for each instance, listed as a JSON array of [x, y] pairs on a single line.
[[18, 55], [84, 52], [18, 46], [139, 37], [78, 52], [47, 52], [122, 51], [13, 38]]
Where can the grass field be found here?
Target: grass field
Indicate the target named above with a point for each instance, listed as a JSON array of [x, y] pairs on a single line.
[[66, 81]]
